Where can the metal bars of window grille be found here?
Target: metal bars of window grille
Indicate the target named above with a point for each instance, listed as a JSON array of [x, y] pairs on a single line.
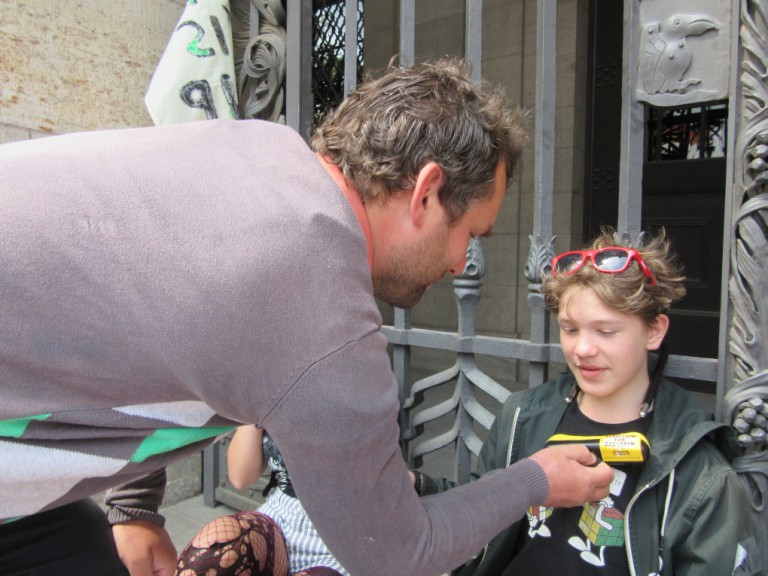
[[693, 132], [461, 406], [332, 76], [467, 412]]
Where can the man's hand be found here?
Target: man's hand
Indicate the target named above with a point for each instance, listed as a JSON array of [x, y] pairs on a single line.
[[572, 475], [145, 549]]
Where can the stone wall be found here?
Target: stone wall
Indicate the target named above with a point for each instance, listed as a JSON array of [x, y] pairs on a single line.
[[79, 65]]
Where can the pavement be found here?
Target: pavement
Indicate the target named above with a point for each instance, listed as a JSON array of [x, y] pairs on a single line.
[[184, 519]]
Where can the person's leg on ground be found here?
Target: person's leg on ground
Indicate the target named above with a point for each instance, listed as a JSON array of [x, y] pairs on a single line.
[[231, 544]]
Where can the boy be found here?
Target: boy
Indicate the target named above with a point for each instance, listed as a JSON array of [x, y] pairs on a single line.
[[680, 511]]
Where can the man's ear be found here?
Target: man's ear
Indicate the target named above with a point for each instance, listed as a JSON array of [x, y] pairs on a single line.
[[425, 196], [656, 331]]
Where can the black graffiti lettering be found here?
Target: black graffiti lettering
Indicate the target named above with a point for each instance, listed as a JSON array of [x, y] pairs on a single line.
[[194, 46], [228, 87], [219, 35], [197, 94]]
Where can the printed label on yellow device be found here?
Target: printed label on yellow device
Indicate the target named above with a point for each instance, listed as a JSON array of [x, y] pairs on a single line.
[[623, 448], [629, 447]]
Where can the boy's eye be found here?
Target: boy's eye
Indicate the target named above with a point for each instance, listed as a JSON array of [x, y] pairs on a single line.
[[567, 330], [607, 332]]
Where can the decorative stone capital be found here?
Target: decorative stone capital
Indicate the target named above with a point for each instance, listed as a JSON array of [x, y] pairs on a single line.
[[684, 51], [539, 258], [474, 269]]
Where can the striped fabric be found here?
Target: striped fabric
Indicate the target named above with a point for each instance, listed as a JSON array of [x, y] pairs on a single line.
[[305, 547], [75, 461]]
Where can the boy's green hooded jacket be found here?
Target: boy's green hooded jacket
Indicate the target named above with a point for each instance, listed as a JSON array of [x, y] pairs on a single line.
[[703, 530]]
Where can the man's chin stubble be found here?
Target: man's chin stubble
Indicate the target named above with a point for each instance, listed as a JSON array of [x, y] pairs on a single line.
[[399, 298]]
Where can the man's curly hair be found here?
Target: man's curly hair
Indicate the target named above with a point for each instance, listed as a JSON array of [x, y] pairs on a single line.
[[385, 131]]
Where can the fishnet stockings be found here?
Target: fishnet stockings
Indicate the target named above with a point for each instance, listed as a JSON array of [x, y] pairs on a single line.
[[241, 544]]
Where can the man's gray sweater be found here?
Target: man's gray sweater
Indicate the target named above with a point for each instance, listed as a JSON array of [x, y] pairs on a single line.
[[160, 285]]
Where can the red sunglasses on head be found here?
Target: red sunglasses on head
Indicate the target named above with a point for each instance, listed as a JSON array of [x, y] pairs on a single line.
[[610, 260]]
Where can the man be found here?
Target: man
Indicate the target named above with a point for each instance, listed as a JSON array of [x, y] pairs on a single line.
[[161, 284]]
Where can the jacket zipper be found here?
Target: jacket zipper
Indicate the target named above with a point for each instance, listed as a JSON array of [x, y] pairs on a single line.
[[506, 465], [628, 511], [630, 557]]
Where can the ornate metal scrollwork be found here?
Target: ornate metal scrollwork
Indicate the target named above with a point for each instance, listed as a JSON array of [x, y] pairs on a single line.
[[475, 267], [260, 65], [749, 252], [466, 376], [745, 400]]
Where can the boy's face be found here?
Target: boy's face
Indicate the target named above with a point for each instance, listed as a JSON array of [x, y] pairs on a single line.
[[607, 352]]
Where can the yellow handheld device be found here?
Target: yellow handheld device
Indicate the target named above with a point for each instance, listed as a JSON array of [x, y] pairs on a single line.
[[626, 448]]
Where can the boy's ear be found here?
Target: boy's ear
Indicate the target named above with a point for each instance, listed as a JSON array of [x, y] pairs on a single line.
[[425, 196], [656, 331]]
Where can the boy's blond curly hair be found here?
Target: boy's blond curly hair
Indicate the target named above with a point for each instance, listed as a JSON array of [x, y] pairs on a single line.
[[629, 291]]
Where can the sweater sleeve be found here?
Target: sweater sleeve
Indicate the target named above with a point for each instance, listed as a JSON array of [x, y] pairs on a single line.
[[139, 499], [348, 472]]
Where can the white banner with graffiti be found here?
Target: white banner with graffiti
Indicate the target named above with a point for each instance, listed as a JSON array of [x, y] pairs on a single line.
[[195, 79]]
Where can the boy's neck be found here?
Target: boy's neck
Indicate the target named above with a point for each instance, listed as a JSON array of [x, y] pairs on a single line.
[[614, 409]]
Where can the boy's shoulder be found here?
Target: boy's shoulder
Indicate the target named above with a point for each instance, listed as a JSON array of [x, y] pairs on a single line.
[[543, 396], [680, 419]]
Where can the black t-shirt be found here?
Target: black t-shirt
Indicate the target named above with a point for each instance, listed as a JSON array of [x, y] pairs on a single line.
[[586, 540]]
